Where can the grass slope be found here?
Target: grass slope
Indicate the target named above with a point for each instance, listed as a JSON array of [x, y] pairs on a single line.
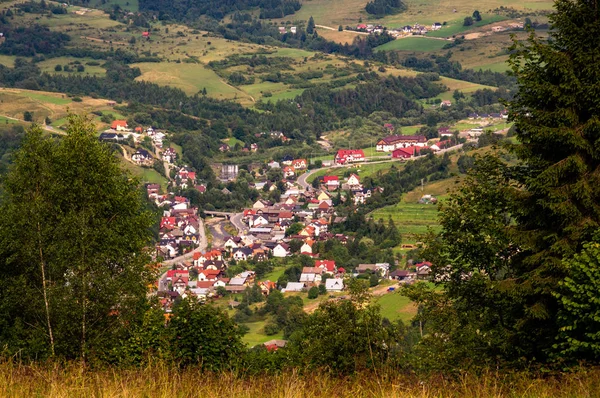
[[413, 43]]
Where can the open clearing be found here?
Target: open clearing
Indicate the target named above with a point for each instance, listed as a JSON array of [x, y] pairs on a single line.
[[54, 105], [413, 43], [348, 12], [191, 78]]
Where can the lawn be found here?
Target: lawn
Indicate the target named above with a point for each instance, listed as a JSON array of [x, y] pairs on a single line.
[[500, 66], [49, 64], [8, 60], [413, 43], [256, 336], [232, 141], [5, 120], [146, 175], [456, 26], [394, 306], [412, 219], [274, 275], [52, 99]]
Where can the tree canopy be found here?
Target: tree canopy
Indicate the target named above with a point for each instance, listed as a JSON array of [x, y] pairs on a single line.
[[74, 228], [507, 231]]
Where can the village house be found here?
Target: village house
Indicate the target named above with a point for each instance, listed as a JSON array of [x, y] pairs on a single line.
[[344, 156], [281, 250], [331, 182], [242, 253], [294, 287], [273, 165], [142, 157], [328, 266], [311, 275], [289, 172], [119, 125], [445, 103], [392, 142], [233, 242], [300, 164], [353, 181], [169, 155], [407, 152], [334, 284]]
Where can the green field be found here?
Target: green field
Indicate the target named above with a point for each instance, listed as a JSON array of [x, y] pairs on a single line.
[[413, 43], [256, 335], [274, 275], [395, 306], [412, 219], [5, 120], [191, 78], [49, 64], [47, 98], [500, 66], [456, 27], [8, 60]]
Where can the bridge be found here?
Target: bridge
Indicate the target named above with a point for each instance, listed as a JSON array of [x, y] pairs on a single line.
[[219, 214]]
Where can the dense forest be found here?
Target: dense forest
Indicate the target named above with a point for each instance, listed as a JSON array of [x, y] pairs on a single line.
[[191, 10], [385, 7]]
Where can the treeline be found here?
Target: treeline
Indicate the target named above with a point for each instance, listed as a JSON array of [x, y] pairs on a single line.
[[27, 41], [444, 66], [191, 10], [385, 7]]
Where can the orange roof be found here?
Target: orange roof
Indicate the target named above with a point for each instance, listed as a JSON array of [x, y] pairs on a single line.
[[118, 123]]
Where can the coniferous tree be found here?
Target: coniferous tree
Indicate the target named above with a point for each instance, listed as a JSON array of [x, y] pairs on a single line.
[[310, 27], [506, 233]]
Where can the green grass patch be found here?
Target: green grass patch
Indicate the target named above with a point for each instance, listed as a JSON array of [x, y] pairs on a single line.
[[413, 43], [456, 27], [47, 98], [5, 120], [501, 66], [256, 335], [191, 78], [8, 60], [394, 306], [412, 219], [274, 275], [232, 141]]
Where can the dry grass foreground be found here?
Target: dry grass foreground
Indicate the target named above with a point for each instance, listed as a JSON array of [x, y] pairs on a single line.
[[159, 381]]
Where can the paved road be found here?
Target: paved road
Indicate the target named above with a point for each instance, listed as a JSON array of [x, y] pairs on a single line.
[[237, 222]]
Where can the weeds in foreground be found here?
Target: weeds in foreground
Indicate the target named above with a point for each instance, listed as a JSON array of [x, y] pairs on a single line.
[[72, 380]]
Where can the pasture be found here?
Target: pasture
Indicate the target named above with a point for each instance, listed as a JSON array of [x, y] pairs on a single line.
[[191, 78], [56, 106], [394, 306], [414, 44], [333, 13]]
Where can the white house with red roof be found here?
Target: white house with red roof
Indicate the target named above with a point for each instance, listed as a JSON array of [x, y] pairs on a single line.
[[289, 171], [331, 182], [119, 125], [392, 142], [327, 266], [354, 180], [344, 156], [300, 164]]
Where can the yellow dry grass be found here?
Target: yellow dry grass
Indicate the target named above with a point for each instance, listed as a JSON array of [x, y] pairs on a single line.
[[71, 380]]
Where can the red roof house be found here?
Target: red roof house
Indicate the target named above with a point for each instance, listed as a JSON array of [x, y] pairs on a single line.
[[344, 156]]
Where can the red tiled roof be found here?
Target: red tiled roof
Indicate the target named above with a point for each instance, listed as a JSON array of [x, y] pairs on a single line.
[[118, 123]]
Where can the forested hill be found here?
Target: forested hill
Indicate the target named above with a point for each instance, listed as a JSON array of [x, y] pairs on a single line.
[[189, 10]]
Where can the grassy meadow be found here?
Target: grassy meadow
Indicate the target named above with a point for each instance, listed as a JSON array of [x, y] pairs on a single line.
[[56, 106], [56, 380], [413, 44]]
